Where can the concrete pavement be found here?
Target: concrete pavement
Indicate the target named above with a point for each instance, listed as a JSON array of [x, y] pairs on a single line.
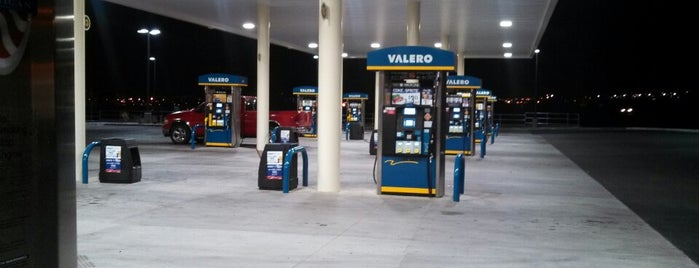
[[525, 205]]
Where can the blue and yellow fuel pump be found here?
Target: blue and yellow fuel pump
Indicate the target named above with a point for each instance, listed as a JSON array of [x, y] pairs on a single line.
[[223, 105], [460, 100], [307, 102], [490, 111], [410, 148], [481, 115], [353, 103]]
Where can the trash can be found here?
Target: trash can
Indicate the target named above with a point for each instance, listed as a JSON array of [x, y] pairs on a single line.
[[286, 135], [356, 131], [373, 142], [271, 163], [120, 161]]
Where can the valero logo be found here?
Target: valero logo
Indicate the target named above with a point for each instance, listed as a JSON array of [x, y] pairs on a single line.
[[15, 22]]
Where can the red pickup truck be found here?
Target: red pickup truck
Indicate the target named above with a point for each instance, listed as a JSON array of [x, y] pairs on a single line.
[[178, 125]]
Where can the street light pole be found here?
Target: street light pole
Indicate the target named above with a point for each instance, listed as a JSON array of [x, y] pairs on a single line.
[[155, 74], [536, 85], [148, 33]]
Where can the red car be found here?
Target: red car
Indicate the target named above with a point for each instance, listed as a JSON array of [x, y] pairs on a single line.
[[178, 125]]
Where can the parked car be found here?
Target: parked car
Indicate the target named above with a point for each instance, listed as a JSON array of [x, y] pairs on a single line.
[[178, 125]]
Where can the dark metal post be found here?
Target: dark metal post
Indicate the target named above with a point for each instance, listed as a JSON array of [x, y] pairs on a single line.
[[536, 86]]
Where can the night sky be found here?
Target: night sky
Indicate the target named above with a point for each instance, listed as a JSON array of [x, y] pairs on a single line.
[[589, 47]]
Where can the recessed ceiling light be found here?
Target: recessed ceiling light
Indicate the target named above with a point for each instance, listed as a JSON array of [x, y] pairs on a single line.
[[313, 45], [507, 44], [508, 55], [506, 23], [249, 25], [375, 45], [344, 54]]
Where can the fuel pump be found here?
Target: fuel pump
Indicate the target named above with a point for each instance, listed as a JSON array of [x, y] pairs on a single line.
[[460, 102], [481, 114], [490, 114], [354, 113], [410, 151], [307, 102], [222, 110]]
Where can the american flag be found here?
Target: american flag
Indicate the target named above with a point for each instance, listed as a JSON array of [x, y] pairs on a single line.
[[14, 32]]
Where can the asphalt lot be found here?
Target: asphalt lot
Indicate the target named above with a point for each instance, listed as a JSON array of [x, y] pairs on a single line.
[[653, 172]]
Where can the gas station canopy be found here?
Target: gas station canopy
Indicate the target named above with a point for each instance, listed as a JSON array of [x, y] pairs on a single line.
[[472, 26]]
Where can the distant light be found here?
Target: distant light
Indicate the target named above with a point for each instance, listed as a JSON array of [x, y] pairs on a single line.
[[375, 45], [507, 44], [315, 57], [506, 23], [344, 54], [623, 110], [536, 51], [508, 55], [599, 95], [249, 25], [438, 45], [313, 45], [628, 110], [152, 58], [151, 32]]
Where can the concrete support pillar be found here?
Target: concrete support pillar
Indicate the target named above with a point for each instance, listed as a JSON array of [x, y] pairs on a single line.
[[413, 23], [263, 25], [444, 39], [79, 97], [460, 63], [377, 104], [329, 94]]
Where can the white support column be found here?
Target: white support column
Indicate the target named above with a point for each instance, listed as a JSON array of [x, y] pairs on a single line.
[[444, 39], [377, 94], [329, 94], [460, 63], [79, 95], [263, 25], [413, 23]]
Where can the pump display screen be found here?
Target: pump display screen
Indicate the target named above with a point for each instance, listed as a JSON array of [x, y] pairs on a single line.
[[410, 111], [409, 122]]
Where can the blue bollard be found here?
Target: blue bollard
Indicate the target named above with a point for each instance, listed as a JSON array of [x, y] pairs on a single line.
[[287, 166], [86, 155], [459, 172], [273, 135], [192, 138]]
